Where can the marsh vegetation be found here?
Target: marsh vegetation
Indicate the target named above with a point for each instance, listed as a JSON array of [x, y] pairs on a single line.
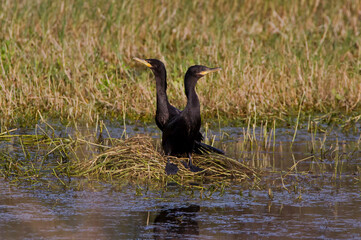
[[285, 108], [73, 59], [309, 177]]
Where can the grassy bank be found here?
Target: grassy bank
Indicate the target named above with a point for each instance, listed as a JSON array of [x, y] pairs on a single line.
[[73, 59]]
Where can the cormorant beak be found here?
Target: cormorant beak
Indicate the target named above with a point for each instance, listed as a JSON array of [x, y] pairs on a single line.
[[210, 70], [143, 61]]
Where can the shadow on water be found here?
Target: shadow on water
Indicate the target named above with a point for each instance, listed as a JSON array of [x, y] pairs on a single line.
[[319, 199], [177, 222]]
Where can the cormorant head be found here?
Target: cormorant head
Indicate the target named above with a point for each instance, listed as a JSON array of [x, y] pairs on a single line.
[[154, 64], [199, 71]]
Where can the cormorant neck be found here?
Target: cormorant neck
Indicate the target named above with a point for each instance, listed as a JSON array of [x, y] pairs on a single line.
[[161, 80], [161, 86], [189, 85]]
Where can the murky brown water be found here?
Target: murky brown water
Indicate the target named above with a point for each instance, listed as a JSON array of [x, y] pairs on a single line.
[[321, 201]]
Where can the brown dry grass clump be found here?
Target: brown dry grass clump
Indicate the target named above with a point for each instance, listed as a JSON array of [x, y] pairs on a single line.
[[137, 159]]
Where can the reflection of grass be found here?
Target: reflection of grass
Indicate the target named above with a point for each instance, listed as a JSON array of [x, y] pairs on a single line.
[[37, 160], [293, 163], [73, 59]]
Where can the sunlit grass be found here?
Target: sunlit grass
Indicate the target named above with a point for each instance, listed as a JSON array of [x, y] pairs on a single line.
[[73, 59]]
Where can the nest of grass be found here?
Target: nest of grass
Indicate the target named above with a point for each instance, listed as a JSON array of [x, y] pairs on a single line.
[[137, 158]]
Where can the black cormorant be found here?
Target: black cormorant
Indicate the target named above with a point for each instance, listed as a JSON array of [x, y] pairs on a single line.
[[165, 111], [180, 133]]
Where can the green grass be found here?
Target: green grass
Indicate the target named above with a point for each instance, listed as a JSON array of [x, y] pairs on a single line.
[[73, 60]]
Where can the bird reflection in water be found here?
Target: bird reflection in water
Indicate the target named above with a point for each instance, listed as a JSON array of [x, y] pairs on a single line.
[[176, 222]]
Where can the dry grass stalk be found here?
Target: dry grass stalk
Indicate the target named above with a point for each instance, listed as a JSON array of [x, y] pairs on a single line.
[[137, 159]]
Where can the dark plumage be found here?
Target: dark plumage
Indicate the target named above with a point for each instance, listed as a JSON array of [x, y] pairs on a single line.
[[181, 132], [165, 111]]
